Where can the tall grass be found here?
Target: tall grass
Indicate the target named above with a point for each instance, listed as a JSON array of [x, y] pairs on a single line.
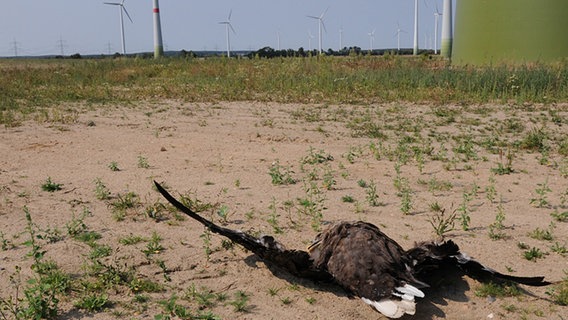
[[26, 85]]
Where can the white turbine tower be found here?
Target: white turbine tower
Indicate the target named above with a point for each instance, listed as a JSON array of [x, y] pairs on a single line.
[[397, 34], [158, 45], [228, 26], [437, 15], [341, 38], [447, 31], [371, 39], [278, 39], [122, 9], [321, 26], [415, 48]]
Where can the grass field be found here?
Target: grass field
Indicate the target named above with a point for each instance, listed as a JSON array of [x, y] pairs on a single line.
[[27, 86]]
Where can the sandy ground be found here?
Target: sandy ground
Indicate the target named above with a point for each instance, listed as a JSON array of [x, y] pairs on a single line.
[[222, 154]]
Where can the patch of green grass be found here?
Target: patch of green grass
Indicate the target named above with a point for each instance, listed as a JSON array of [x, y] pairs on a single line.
[[204, 297], [138, 285], [281, 175], [143, 162], [122, 203], [101, 190], [316, 157], [93, 302], [347, 198], [240, 301], [153, 246], [560, 216], [113, 166], [50, 186], [131, 240], [541, 234], [542, 191], [559, 248], [500, 290], [533, 254]]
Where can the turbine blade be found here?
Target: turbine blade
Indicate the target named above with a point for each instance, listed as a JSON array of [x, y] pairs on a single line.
[[112, 3], [323, 25], [230, 13], [323, 13], [231, 26], [125, 11], [313, 17]]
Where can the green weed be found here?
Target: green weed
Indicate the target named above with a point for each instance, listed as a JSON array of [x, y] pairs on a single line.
[[143, 162], [492, 289], [50, 186], [101, 190], [93, 302], [113, 166], [441, 223], [280, 175]]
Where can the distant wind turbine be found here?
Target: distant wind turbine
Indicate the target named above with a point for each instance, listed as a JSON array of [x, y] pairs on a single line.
[[122, 9], [437, 15], [371, 39], [228, 26], [341, 38], [321, 26], [310, 37], [278, 39], [398, 32]]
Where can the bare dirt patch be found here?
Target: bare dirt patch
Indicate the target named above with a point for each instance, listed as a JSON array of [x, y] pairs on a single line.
[[222, 154]]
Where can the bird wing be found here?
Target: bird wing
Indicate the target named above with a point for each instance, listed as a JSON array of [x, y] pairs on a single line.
[[430, 255], [296, 262]]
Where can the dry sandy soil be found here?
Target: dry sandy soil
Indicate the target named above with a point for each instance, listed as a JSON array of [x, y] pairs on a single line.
[[222, 153]]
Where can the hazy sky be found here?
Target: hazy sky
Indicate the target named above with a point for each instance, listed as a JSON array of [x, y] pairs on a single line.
[[40, 27]]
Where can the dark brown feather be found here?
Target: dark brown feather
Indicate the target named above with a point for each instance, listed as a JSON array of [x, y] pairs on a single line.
[[364, 260]]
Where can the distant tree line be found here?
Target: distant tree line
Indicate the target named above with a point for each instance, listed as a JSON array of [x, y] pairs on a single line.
[[266, 53]]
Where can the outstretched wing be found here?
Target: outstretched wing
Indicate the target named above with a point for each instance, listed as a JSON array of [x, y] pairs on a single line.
[[296, 262], [430, 255]]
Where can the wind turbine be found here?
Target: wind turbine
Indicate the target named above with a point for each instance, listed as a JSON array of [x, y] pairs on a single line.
[[371, 39], [415, 49], [158, 45], [278, 39], [398, 32], [437, 15], [310, 37], [447, 32], [341, 38], [122, 9], [320, 26], [228, 26]]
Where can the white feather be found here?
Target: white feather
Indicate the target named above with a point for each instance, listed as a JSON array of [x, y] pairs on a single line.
[[409, 290], [392, 308]]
